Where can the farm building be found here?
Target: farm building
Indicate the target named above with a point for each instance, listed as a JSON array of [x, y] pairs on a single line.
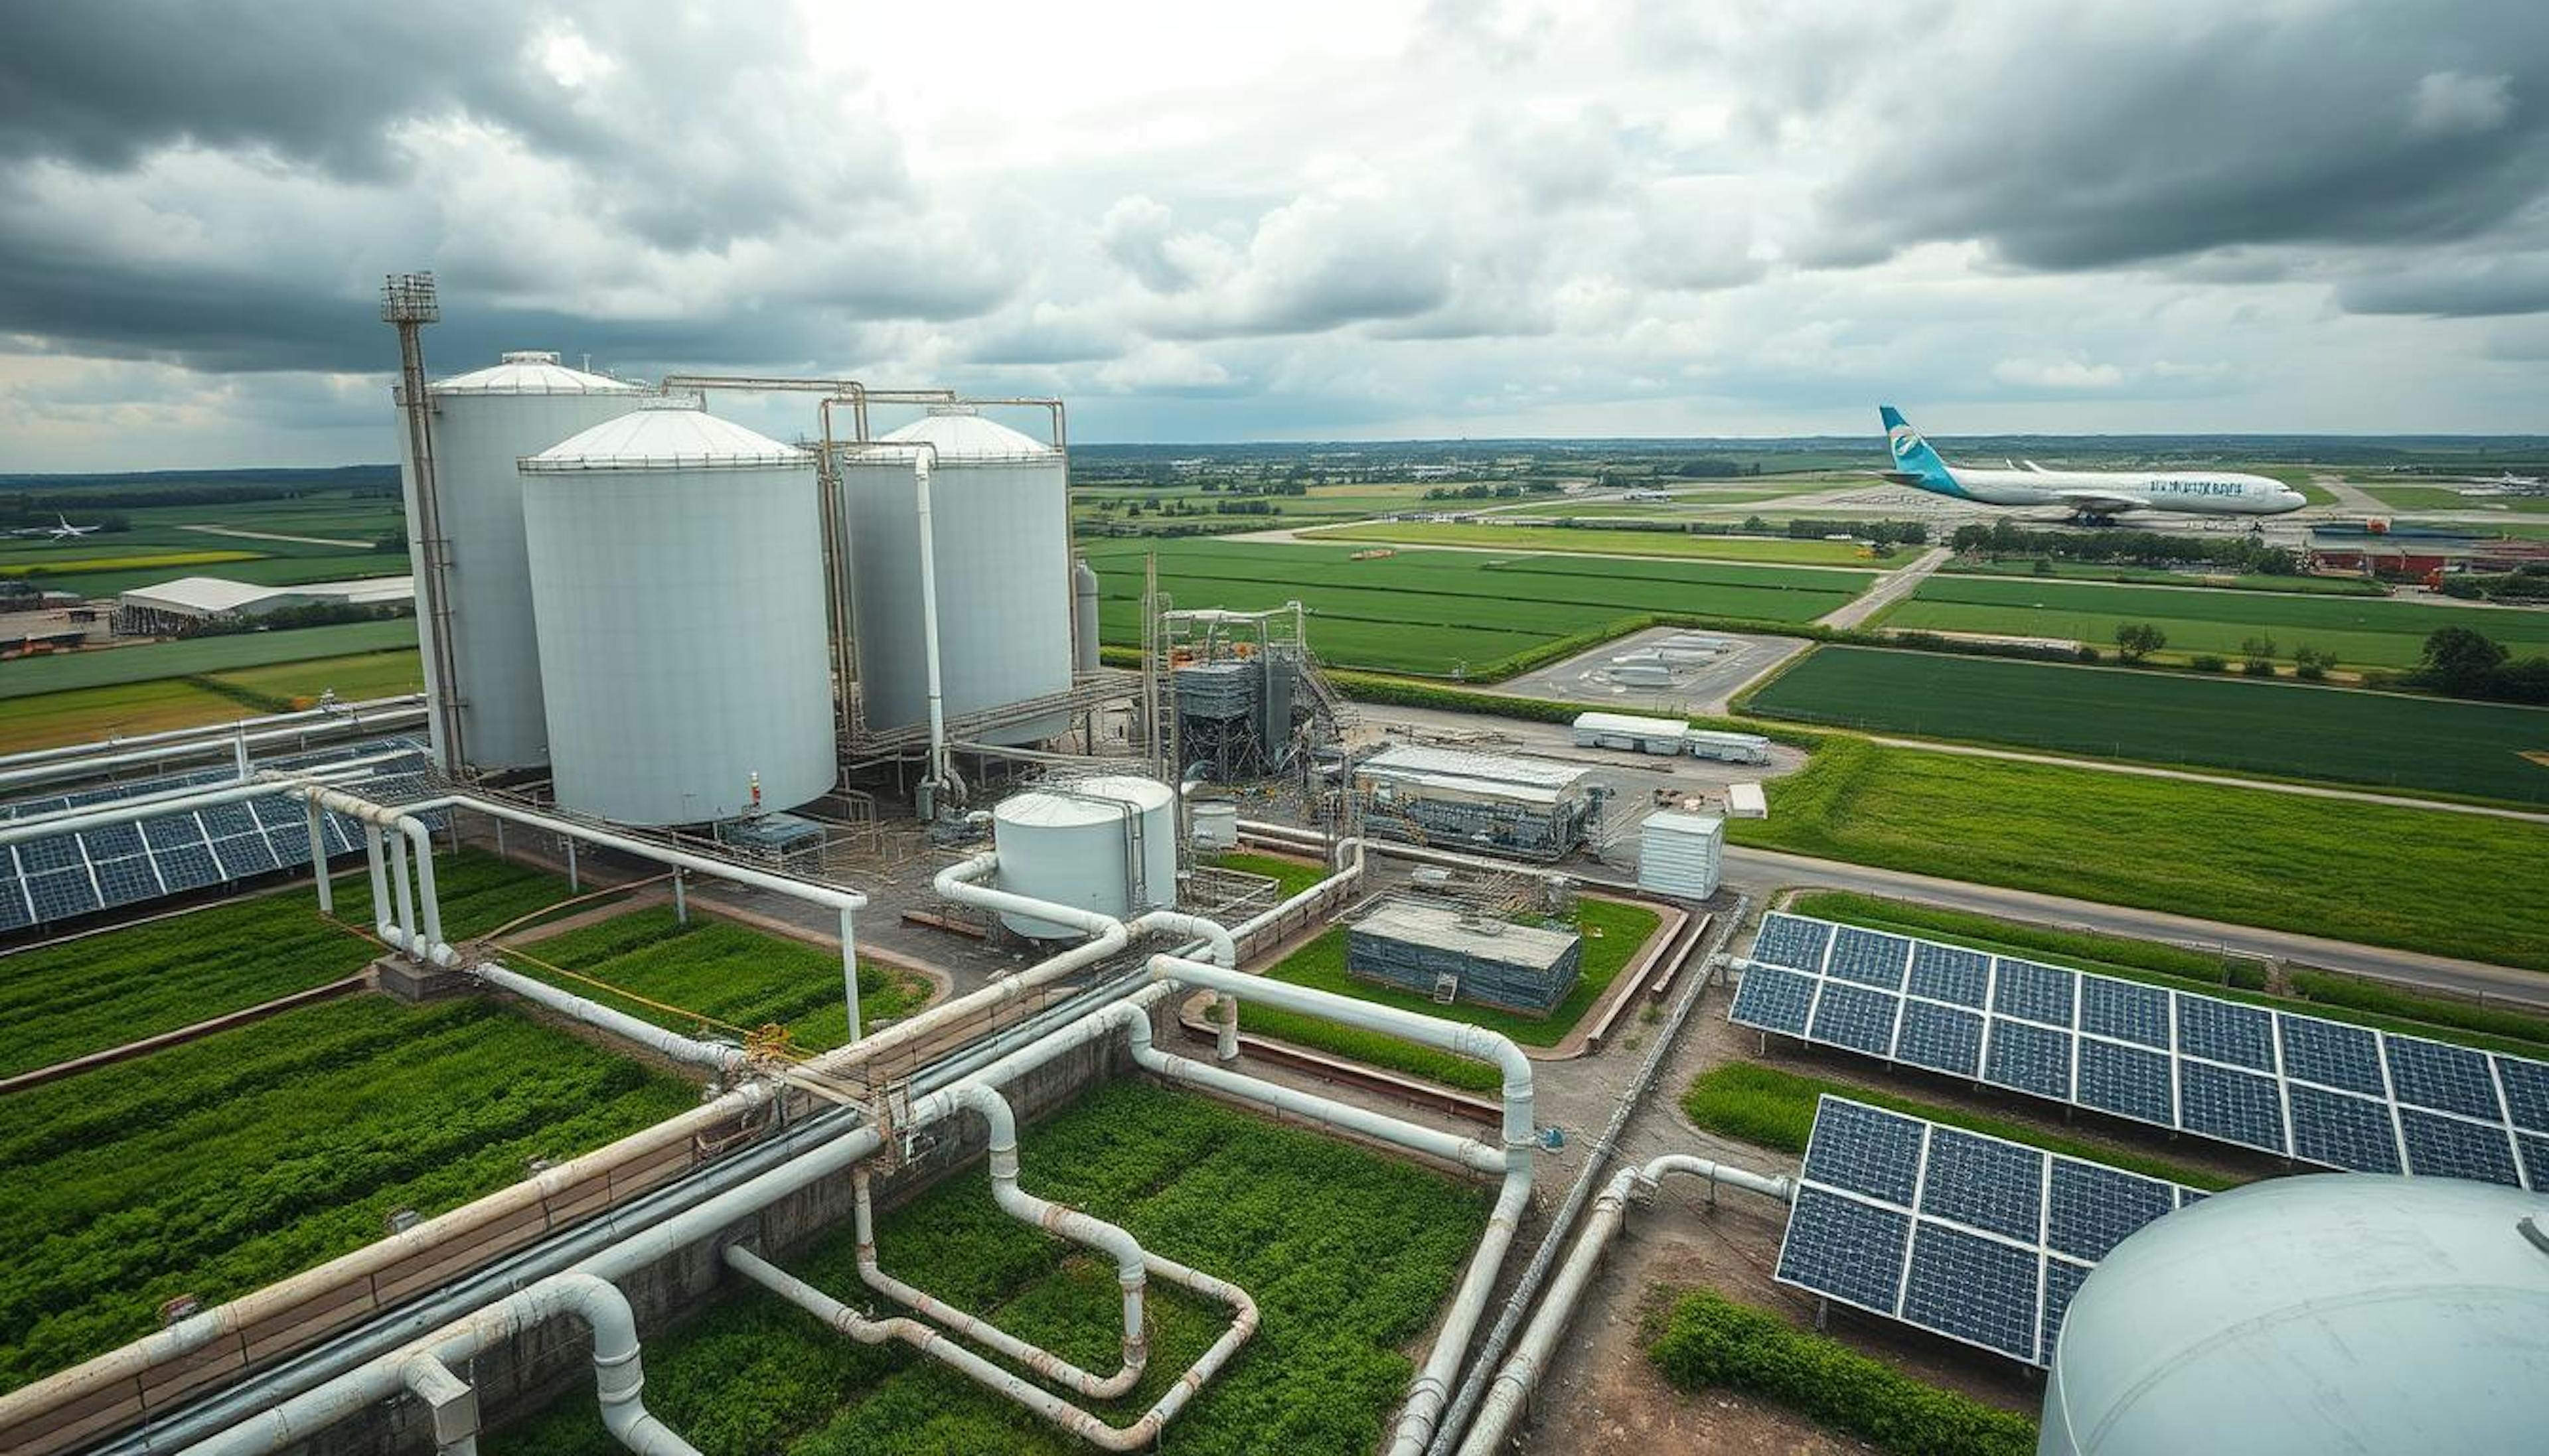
[[1483, 801], [190, 601], [1624, 731], [1453, 954]]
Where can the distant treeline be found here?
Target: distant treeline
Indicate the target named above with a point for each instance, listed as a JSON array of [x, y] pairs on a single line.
[[2139, 548]]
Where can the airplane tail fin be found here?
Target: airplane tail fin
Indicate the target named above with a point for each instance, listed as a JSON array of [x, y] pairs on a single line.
[[1914, 463]]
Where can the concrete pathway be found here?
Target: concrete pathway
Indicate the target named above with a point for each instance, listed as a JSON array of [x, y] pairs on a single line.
[[278, 536], [1889, 590]]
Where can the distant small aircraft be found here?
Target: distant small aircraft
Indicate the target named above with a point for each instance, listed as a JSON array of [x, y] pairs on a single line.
[[60, 530], [2095, 496], [2510, 479], [1644, 493]]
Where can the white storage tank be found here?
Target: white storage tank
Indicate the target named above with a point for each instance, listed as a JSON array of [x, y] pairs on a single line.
[[1217, 825], [1107, 844], [1681, 855], [1000, 529], [2334, 1312], [677, 571], [484, 422]]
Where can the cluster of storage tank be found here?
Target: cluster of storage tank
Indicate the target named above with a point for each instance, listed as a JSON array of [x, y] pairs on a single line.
[[635, 596]]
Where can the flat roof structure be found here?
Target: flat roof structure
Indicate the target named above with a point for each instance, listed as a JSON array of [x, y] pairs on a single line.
[[219, 597]]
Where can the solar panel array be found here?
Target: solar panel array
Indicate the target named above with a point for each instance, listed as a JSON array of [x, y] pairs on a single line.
[[2302, 1087], [1970, 1236], [65, 876]]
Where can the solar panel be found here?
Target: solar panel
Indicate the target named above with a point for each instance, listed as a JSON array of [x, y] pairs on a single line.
[[2535, 1159], [52, 852], [111, 841], [168, 831], [1856, 1017], [14, 913], [1869, 958], [2324, 1092], [226, 821], [1943, 1039], [1974, 1238], [59, 894], [187, 867], [127, 879], [1792, 942], [1774, 999], [244, 854], [2448, 1147]]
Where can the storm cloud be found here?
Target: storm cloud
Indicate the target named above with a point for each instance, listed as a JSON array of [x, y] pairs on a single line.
[[1337, 218]]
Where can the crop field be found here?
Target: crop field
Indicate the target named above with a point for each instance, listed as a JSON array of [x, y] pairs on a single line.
[[737, 978], [1614, 934], [156, 561], [1346, 1253], [1435, 612], [2362, 633], [2371, 873], [100, 991], [122, 709], [99, 668], [2287, 730], [1775, 550], [2040, 567]]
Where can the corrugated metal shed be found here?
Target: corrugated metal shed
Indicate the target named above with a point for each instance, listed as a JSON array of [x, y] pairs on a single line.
[[1439, 950], [1681, 855], [1626, 731], [1414, 762], [208, 596], [1731, 748]]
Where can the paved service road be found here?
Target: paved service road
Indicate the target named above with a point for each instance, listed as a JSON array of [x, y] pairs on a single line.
[[1888, 590], [1769, 867]]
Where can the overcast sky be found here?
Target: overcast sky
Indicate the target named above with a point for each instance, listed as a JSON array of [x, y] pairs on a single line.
[[1364, 219]]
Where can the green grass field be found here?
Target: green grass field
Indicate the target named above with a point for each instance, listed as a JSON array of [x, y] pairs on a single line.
[[1346, 1253], [727, 973], [1680, 545], [2425, 879], [2387, 740], [1614, 934], [2443, 497], [123, 709], [97, 668], [1432, 612], [2362, 633], [2038, 567]]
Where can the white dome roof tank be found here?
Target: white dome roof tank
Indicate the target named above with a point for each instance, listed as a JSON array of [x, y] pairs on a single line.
[[2303, 1316], [1107, 845]]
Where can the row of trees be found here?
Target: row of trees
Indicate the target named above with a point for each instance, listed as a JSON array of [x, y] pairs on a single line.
[[2461, 662], [2005, 537]]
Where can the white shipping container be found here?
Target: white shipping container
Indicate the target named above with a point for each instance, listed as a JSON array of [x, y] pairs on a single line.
[[1744, 801], [1681, 855]]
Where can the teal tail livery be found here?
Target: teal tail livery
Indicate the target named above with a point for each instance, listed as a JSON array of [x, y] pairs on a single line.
[[2090, 495]]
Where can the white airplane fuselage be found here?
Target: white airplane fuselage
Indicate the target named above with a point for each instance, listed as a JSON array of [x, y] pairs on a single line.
[[2184, 491]]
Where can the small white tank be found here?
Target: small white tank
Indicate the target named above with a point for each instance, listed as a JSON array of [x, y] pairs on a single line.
[[1108, 845], [1217, 825]]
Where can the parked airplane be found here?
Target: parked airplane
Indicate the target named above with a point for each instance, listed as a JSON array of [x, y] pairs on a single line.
[[60, 530], [2094, 495], [1644, 494]]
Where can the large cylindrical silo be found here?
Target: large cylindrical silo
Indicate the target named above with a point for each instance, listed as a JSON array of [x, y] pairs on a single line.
[[677, 571], [484, 422], [1107, 844], [1000, 529]]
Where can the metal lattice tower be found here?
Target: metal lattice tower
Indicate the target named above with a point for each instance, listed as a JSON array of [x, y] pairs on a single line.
[[408, 304]]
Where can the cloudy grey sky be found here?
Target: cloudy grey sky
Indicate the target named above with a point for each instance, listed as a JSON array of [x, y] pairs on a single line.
[[1307, 221]]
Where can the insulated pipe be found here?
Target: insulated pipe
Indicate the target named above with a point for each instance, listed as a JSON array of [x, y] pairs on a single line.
[[90, 761], [452, 1399], [1141, 1436], [1511, 1393], [618, 1371], [618, 1023], [221, 733], [319, 859], [1432, 1387], [406, 939], [383, 924]]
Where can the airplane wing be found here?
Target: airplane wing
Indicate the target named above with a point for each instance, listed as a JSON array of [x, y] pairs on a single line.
[[2098, 501], [2039, 469]]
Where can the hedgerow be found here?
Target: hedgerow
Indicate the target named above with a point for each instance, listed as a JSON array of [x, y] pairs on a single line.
[[1711, 1342], [1347, 1254]]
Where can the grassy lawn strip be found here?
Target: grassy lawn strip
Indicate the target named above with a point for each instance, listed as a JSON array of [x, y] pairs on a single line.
[[1613, 935], [1600, 540], [98, 668], [1346, 1253], [2382, 740], [2350, 999], [1291, 876], [1707, 1341], [1764, 1105], [219, 1166], [2115, 955], [733, 973], [2369, 873]]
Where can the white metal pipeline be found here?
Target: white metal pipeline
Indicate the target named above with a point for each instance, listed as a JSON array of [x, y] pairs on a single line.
[[46, 765], [1142, 1434], [618, 1372], [618, 1023], [1511, 1394], [1432, 1387]]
